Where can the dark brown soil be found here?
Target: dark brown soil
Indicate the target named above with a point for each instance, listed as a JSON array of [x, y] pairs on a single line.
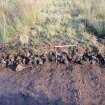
[[53, 84], [76, 77]]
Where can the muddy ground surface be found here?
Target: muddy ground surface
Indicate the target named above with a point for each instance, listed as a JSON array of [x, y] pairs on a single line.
[[53, 84]]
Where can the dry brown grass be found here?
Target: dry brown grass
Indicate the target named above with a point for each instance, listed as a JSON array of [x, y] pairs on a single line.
[[52, 17]]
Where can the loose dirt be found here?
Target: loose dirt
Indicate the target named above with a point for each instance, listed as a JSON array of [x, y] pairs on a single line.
[[53, 84], [55, 78]]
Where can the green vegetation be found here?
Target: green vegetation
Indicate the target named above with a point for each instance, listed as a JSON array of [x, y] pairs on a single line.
[[51, 20], [14, 16]]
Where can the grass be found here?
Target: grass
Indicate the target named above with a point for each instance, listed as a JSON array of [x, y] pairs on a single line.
[[50, 20], [14, 16], [90, 9]]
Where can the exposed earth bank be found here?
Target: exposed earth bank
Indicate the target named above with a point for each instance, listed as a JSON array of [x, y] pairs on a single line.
[[53, 84]]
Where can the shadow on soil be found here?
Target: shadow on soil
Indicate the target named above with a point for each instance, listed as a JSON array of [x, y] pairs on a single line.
[[19, 99]]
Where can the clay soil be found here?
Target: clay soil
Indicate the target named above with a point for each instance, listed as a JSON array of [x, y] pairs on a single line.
[[53, 84]]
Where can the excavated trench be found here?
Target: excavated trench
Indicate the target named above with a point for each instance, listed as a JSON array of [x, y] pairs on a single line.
[[53, 84]]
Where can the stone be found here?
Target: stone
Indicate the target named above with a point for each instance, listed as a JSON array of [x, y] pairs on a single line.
[[20, 67]]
